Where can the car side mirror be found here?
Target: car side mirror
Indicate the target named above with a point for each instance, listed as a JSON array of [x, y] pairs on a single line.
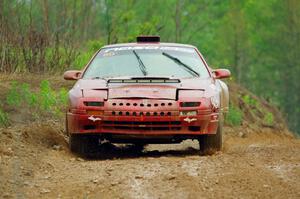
[[72, 75], [221, 73]]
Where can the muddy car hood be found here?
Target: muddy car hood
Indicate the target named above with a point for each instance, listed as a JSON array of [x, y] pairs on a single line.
[[90, 88]]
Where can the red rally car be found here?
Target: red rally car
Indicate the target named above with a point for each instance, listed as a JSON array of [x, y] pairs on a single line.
[[146, 92]]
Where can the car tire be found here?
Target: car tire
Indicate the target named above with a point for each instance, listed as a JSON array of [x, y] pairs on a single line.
[[83, 144], [209, 144], [138, 147]]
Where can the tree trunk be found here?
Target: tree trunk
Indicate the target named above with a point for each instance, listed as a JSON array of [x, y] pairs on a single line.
[[46, 18]]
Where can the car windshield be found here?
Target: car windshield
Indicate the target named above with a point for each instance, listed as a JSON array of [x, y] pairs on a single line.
[[151, 61]]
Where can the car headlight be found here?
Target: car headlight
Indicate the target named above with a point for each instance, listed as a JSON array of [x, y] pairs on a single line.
[[215, 101], [92, 103], [189, 104]]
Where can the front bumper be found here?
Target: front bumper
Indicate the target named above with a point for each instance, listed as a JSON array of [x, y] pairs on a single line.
[[202, 123]]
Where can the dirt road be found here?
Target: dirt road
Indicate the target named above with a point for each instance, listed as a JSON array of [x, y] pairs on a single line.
[[36, 163]]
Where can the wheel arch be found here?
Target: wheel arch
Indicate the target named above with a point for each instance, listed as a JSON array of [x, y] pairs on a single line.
[[224, 96]]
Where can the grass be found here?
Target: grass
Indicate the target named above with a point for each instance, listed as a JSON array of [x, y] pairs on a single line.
[[249, 100], [3, 119], [44, 101], [269, 119], [234, 116], [256, 107]]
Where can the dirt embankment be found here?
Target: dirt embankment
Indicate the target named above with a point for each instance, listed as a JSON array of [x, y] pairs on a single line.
[[256, 162]]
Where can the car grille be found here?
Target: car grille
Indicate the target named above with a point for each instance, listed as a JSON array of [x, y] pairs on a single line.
[[134, 125], [142, 104], [142, 113], [120, 107]]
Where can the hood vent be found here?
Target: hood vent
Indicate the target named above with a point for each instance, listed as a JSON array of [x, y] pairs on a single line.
[[144, 81]]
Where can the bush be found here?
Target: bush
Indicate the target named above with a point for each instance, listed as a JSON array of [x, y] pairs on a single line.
[[234, 117]]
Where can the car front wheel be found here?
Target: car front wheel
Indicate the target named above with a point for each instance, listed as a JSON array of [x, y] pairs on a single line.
[[83, 144], [209, 144]]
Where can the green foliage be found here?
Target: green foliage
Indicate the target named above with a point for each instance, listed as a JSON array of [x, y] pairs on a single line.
[[62, 96], [94, 45], [59, 58], [14, 96], [51, 101], [43, 101], [247, 99], [84, 56], [234, 116], [47, 97], [29, 97], [82, 59], [269, 119], [3, 119]]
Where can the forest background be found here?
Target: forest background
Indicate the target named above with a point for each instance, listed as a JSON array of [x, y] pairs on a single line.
[[259, 41]]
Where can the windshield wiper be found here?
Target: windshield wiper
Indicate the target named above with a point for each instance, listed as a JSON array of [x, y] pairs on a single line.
[[141, 64], [180, 63], [98, 78]]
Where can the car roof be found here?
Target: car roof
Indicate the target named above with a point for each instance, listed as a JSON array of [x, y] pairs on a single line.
[[148, 44]]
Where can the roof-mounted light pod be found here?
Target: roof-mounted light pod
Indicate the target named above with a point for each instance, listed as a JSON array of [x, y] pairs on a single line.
[[148, 39]]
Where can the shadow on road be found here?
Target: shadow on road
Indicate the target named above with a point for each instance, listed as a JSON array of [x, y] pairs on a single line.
[[110, 151]]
